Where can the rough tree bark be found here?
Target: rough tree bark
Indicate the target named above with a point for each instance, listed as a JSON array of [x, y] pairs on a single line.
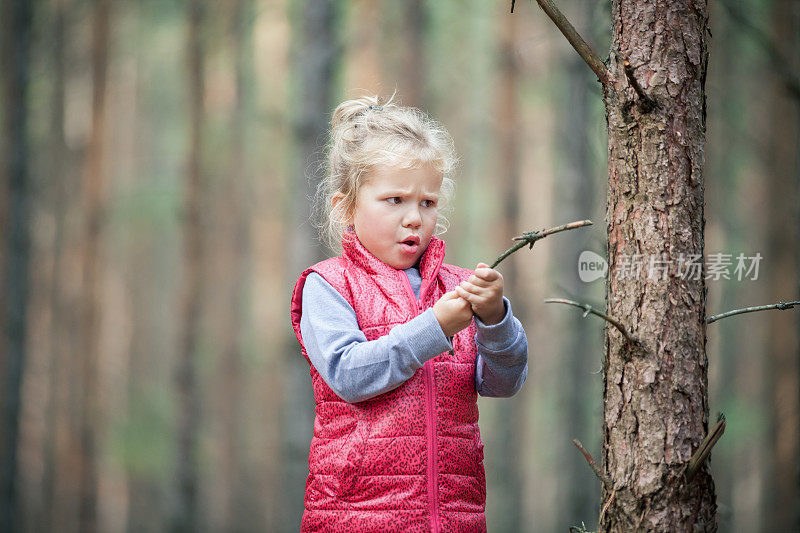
[[656, 393]]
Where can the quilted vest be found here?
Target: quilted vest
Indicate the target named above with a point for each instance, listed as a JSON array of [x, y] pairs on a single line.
[[410, 459]]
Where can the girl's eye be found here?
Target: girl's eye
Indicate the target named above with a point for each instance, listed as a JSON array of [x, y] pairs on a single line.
[[429, 203], [394, 200]]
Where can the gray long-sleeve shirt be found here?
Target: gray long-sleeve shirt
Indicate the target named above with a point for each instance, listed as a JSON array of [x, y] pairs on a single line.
[[357, 369]]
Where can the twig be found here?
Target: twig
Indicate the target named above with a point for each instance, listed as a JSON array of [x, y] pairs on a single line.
[[530, 238], [646, 104], [603, 511], [592, 463], [589, 309], [790, 80], [780, 305], [578, 43], [641, 517], [512, 5], [702, 452]]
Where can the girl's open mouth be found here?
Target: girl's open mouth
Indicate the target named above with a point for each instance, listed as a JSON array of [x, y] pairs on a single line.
[[410, 245]]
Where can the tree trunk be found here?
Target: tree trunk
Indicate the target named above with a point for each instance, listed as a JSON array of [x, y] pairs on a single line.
[[188, 401], [414, 65], [509, 427], [17, 22], [364, 66], [656, 392], [61, 335], [235, 251], [783, 182], [317, 61], [93, 192]]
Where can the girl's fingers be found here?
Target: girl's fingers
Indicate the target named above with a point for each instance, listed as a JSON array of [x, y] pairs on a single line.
[[469, 287], [477, 291], [475, 298], [475, 280], [485, 273], [472, 297]]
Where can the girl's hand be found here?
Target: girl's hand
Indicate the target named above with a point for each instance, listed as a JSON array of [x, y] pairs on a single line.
[[484, 292], [453, 313]]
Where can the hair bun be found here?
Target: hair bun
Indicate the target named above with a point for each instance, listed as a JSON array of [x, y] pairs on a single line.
[[350, 109]]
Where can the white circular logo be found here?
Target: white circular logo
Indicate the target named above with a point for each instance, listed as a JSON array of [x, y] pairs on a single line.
[[591, 266]]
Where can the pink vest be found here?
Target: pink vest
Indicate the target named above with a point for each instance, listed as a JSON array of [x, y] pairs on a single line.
[[410, 459]]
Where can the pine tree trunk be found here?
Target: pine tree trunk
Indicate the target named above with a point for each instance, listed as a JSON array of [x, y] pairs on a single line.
[[15, 209], [188, 401], [318, 60], [782, 496], [656, 394], [93, 191], [510, 425], [414, 66], [235, 251], [63, 184]]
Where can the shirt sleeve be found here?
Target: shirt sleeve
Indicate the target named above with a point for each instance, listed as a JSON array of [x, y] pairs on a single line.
[[502, 363], [355, 368]]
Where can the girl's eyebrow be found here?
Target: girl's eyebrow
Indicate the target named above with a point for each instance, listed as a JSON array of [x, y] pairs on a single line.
[[402, 192], [395, 192]]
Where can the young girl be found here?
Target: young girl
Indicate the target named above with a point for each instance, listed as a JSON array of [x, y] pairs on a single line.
[[400, 344]]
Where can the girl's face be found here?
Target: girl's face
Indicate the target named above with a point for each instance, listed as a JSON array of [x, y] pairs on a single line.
[[396, 211]]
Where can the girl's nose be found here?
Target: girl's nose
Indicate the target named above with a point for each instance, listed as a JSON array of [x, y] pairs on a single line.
[[412, 217]]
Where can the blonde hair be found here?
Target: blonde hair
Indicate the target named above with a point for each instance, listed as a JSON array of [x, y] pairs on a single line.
[[365, 133]]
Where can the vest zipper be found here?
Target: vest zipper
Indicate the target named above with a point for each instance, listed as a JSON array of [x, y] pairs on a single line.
[[433, 460], [430, 426]]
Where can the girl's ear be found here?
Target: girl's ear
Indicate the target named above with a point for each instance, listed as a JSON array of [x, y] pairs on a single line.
[[338, 197]]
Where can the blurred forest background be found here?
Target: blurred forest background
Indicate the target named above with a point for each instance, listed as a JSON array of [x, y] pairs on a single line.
[[157, 159]]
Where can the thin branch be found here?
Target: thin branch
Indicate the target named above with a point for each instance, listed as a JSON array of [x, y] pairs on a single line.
[[646, 104], [641, 517], [589, 309], [780, 306], [512, 5], [702, 452], [530, 238], [790, 79], [605, 507], [578, 43], [592, 463]]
